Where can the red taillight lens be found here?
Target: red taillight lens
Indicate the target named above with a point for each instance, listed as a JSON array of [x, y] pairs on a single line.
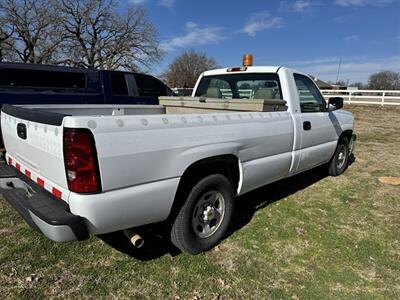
[[237, 69], [81, 161]]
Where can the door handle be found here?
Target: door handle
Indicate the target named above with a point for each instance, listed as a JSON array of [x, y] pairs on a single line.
[[307, 125], [21, 130]]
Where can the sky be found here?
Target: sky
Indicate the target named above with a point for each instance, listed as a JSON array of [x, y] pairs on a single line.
[[310, 36]]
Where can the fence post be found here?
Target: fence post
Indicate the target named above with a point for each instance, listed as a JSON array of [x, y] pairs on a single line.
[[350, 97], [383, 98]]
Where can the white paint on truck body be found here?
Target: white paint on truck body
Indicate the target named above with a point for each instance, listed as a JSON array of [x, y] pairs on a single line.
[[41, 153], [152, 148], [142, 152]]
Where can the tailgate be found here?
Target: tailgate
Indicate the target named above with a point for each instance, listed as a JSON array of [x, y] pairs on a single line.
[[33, 141]]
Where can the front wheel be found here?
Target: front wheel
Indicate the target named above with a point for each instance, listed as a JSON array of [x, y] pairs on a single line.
[[339, 161], [203, 220]]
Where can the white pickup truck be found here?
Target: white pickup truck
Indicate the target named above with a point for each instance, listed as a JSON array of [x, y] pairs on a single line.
[[78, 170]]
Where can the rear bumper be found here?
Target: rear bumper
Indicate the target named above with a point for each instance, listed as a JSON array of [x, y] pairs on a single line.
[[39, 208], [125, 208]]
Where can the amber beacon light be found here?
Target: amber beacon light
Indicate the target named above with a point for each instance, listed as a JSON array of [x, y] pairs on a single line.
[[247, 60]]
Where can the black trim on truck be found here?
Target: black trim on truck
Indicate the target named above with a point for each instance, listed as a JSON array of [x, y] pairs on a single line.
[[34, 115], [39, 208]]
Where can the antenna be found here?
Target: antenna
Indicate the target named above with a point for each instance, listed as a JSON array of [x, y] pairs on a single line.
[[338, 70]]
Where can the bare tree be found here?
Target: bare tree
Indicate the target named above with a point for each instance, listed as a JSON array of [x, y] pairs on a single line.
[[358, 84], [34, 38], [6, 42], [384, 80], [86, 33], [186, 68], [97, 36], [338, 83]]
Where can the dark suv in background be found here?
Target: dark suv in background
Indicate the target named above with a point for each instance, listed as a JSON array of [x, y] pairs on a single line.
[[44, 84]]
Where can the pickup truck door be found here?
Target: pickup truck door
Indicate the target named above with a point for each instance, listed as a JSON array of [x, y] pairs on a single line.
[[317, 129]]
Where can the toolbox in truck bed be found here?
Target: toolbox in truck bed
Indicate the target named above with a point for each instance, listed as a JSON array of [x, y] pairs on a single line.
[[187, 105]]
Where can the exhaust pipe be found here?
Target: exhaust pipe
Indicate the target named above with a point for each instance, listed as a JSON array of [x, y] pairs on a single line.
[[136, 240]]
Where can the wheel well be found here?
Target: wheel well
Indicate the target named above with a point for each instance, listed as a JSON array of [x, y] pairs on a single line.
[[347, 133], [227, 165]]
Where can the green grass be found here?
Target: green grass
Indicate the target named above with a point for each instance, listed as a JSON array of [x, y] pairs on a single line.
[[307, 237]]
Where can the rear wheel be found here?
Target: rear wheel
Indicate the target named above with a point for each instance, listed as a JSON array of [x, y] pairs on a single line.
[[339, 161], [204, 218]]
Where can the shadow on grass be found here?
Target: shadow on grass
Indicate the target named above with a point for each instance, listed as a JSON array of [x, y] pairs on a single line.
[[249, 203], [157, 245]]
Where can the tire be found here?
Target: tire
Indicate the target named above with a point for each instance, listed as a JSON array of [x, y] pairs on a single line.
[[339, 161], [209, 202]]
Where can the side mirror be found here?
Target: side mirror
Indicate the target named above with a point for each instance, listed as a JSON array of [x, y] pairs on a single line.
[[337, 102]]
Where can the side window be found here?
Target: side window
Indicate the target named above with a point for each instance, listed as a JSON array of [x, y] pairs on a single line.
[[41, 80], [311, 99], [150, 87], [118, 84]]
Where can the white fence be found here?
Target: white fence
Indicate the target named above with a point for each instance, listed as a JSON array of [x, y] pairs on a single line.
[[350, 96], [365, 96]]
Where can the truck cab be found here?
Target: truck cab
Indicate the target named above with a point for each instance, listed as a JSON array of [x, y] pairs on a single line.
[[315, 123]]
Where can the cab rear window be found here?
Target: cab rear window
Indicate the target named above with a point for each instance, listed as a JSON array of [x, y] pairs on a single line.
[[240, 86]]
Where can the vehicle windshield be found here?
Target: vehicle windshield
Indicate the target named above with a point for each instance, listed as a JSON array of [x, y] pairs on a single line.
[[240, 86]]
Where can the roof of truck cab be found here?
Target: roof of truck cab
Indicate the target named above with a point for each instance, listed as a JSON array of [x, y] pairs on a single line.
[[252, 69], [42, 67], [57, 68]]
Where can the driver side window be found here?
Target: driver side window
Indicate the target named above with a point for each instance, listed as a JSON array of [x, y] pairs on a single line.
[[310, 97]]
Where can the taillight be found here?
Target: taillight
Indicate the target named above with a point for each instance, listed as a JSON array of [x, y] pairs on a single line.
[[81, 161]]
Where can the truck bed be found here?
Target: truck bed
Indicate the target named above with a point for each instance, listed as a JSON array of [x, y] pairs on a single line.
[[169, 105], [98, 109], [142, 152], [132, 138]]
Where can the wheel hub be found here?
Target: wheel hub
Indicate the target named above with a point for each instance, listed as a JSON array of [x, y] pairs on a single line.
[[341, 159], [341, 156], [208, 214]]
